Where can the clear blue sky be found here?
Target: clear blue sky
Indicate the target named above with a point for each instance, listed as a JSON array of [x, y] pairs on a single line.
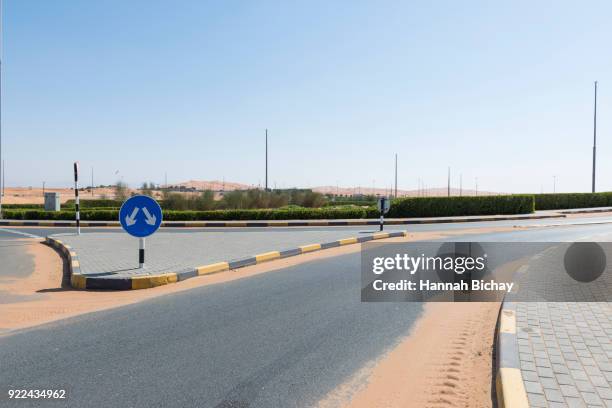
[[498, 91]]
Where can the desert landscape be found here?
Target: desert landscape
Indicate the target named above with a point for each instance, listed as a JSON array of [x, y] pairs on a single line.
[[33, 195]]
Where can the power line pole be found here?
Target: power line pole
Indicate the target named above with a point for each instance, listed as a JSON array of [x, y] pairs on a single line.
[[1, 160], [266, 159], [460, 185], [554, 184], [594, 138], [92, 184], [476, 185], [395, 195], [448, 185]]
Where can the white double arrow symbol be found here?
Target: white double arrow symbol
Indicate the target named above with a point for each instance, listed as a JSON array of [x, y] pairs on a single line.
[[131, 219]]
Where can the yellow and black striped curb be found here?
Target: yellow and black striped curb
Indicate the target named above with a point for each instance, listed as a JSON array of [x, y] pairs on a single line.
[[77, 280], [81, 281], [283, 223], [509, 385]]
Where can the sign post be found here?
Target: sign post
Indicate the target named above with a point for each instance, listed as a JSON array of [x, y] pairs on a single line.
[[384, 204], [140, 216], [76, 198]]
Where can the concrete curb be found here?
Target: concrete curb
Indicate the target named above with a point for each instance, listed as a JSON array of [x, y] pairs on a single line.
[[80, 281], [509, 385], [77, 280], [587, 211], [284, 223]]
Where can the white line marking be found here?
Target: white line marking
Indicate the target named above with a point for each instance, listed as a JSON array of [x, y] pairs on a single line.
[[25, 234]]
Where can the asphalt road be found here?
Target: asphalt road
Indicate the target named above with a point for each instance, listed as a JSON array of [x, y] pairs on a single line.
[[279, 339], [20, 232], [16, 263]]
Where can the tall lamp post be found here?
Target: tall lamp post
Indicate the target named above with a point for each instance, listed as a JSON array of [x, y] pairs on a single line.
[[1, 161], [594, 138], [395, 195]]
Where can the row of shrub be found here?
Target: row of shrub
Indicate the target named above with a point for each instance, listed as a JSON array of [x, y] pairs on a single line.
[[21, 206], [563, 201], [404, 207], [459, 206], [96, 203], [238, 199], [213, 215], [360, 203]]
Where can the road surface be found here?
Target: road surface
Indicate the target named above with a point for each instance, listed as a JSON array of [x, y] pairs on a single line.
[[20, 232], [279, 339]]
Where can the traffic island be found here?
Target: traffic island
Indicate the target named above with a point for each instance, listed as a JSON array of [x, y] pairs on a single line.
[[110, 260]]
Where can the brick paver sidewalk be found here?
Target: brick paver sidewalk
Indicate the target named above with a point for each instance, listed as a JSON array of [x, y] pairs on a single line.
[[565, 347]]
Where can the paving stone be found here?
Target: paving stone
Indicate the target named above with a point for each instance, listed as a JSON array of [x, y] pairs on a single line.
[[584, 386], [575, 403], [533, 387], [530, 376], [553, 395], [528, 366], [599, 381], [560, 369], [549, 383], [564, 379], [579, 375], [569, 391], [592, 399], [537, 400], [604, 393]]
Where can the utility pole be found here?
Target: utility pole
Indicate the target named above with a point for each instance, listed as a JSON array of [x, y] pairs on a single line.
[[166, 180], [460, 185], [1, 160], [476, 185], [594, 138], [92, 184], [43, 189], [448, 185], [395, 195], [554, 184], [266, 159]]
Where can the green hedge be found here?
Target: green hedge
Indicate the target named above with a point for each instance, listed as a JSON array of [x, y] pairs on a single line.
[[97, 203], [22, 206], [460, 206], [563, 201], [400, 208], [220, 215], [349, 202], [98, 215]]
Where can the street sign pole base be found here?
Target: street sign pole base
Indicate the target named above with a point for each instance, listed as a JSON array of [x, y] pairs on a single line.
[[141, 254]]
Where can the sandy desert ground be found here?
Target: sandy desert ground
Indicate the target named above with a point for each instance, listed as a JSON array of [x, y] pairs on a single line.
[[32, 195]]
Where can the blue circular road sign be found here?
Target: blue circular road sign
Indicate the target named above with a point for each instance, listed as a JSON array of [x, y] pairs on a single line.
[[140, 216]]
